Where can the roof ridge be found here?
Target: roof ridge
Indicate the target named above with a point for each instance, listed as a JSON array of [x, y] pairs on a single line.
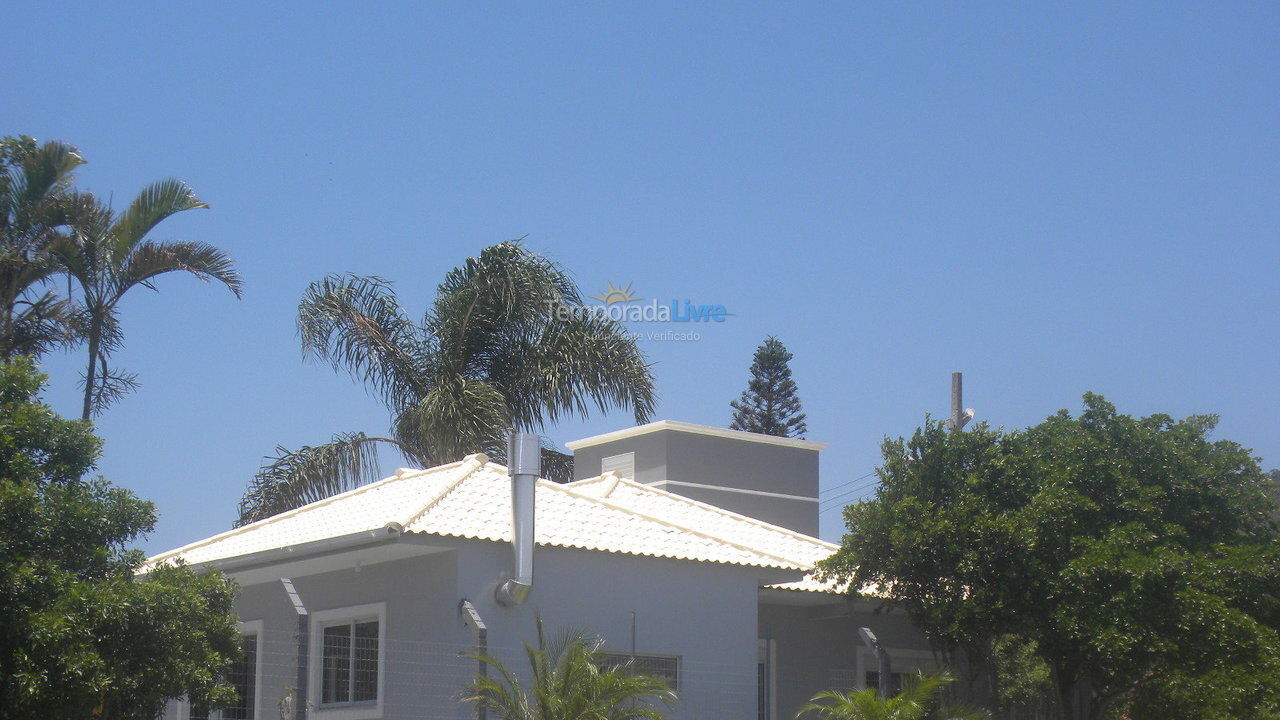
[[470, 464], [722, 511], [679, 526], [295, 511]]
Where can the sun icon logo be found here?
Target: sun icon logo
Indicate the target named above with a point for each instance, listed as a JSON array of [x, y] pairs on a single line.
[[615, 295]]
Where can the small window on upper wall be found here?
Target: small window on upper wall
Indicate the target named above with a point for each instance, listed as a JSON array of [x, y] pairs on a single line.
[[624, 465]]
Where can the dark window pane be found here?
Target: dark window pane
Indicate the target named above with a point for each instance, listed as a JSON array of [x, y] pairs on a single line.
[[365, 670], [242, 675], [335, 666], [762, 691], [664, 668], [895, 681]]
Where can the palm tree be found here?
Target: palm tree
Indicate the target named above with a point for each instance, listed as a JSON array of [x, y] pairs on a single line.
[[35, 204], [917, 701], [109, 254], [567, 682], [499, 349]]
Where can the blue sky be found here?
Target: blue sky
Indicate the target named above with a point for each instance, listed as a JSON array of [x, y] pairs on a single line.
[[1050, 199]]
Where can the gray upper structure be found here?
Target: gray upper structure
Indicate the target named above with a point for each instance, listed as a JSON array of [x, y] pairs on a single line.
[[771, 478]]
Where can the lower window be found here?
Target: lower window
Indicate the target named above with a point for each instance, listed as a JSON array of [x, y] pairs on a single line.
[[664, 667], [349, 662], [896, 681], [243, 676]]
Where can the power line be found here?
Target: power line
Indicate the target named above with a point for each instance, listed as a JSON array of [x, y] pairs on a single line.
[[838, 499], [845, 484]]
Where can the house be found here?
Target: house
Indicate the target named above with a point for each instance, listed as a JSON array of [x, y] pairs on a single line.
[[684, 546]]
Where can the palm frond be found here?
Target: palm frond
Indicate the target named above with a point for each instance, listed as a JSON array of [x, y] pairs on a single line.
[[455, 418], [917, 700], [505, 291], [36, 177], [575, 363], [150, 259], [556, 466], [292, 479], [110, 386], [38, 324], [566, 680], [156, 202], [355, 324]]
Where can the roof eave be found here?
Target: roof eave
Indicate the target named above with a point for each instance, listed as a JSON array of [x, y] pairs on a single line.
[[375, 536]]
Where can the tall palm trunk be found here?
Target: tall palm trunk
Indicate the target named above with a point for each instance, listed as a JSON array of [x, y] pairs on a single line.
[[90, 376]]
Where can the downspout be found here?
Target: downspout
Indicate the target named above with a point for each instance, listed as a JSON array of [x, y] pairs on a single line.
[[524, 464], [472, 619]]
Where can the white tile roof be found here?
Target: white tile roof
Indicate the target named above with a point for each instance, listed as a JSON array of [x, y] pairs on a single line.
[[803, 549], [472, 499]]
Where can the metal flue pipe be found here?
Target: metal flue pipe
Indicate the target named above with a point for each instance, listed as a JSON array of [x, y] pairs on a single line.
[[524, 465]]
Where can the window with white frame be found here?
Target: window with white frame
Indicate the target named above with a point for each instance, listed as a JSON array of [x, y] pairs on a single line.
[[243, 676], [347, 656]]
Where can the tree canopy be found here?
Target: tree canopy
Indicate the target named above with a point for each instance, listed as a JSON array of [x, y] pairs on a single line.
[[50, 229], [1136, 560], [498, 349], [81, 635], [771, 403]]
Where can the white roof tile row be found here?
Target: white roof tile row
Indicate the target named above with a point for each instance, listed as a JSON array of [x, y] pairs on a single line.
[[472, 499]]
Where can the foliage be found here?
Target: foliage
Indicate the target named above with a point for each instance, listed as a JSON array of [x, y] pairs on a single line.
[[35, 207], [567, 682], [918, 700], [495, 351], [80, 634], [770, 404], [109, 253], [1137, 555]]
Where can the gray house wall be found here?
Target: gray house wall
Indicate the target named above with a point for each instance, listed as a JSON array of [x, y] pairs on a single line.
[[423, 635], [703, 613], [775, 483]]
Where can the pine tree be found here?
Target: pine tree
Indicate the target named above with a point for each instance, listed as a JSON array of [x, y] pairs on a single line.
[[770, 404]]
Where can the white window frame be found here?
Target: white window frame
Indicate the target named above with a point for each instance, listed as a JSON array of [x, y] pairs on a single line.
[[248, 627], [337, 616]]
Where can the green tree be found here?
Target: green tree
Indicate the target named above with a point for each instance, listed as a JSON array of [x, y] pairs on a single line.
[[1137, 559], [35, 205], [918, 700], [499, 348], [567, 681], [110, 253], [770, 404], [81, 634]]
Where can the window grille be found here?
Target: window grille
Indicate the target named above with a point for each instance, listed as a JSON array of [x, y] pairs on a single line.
[[663, 667], [243, 677], [349, 663]]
